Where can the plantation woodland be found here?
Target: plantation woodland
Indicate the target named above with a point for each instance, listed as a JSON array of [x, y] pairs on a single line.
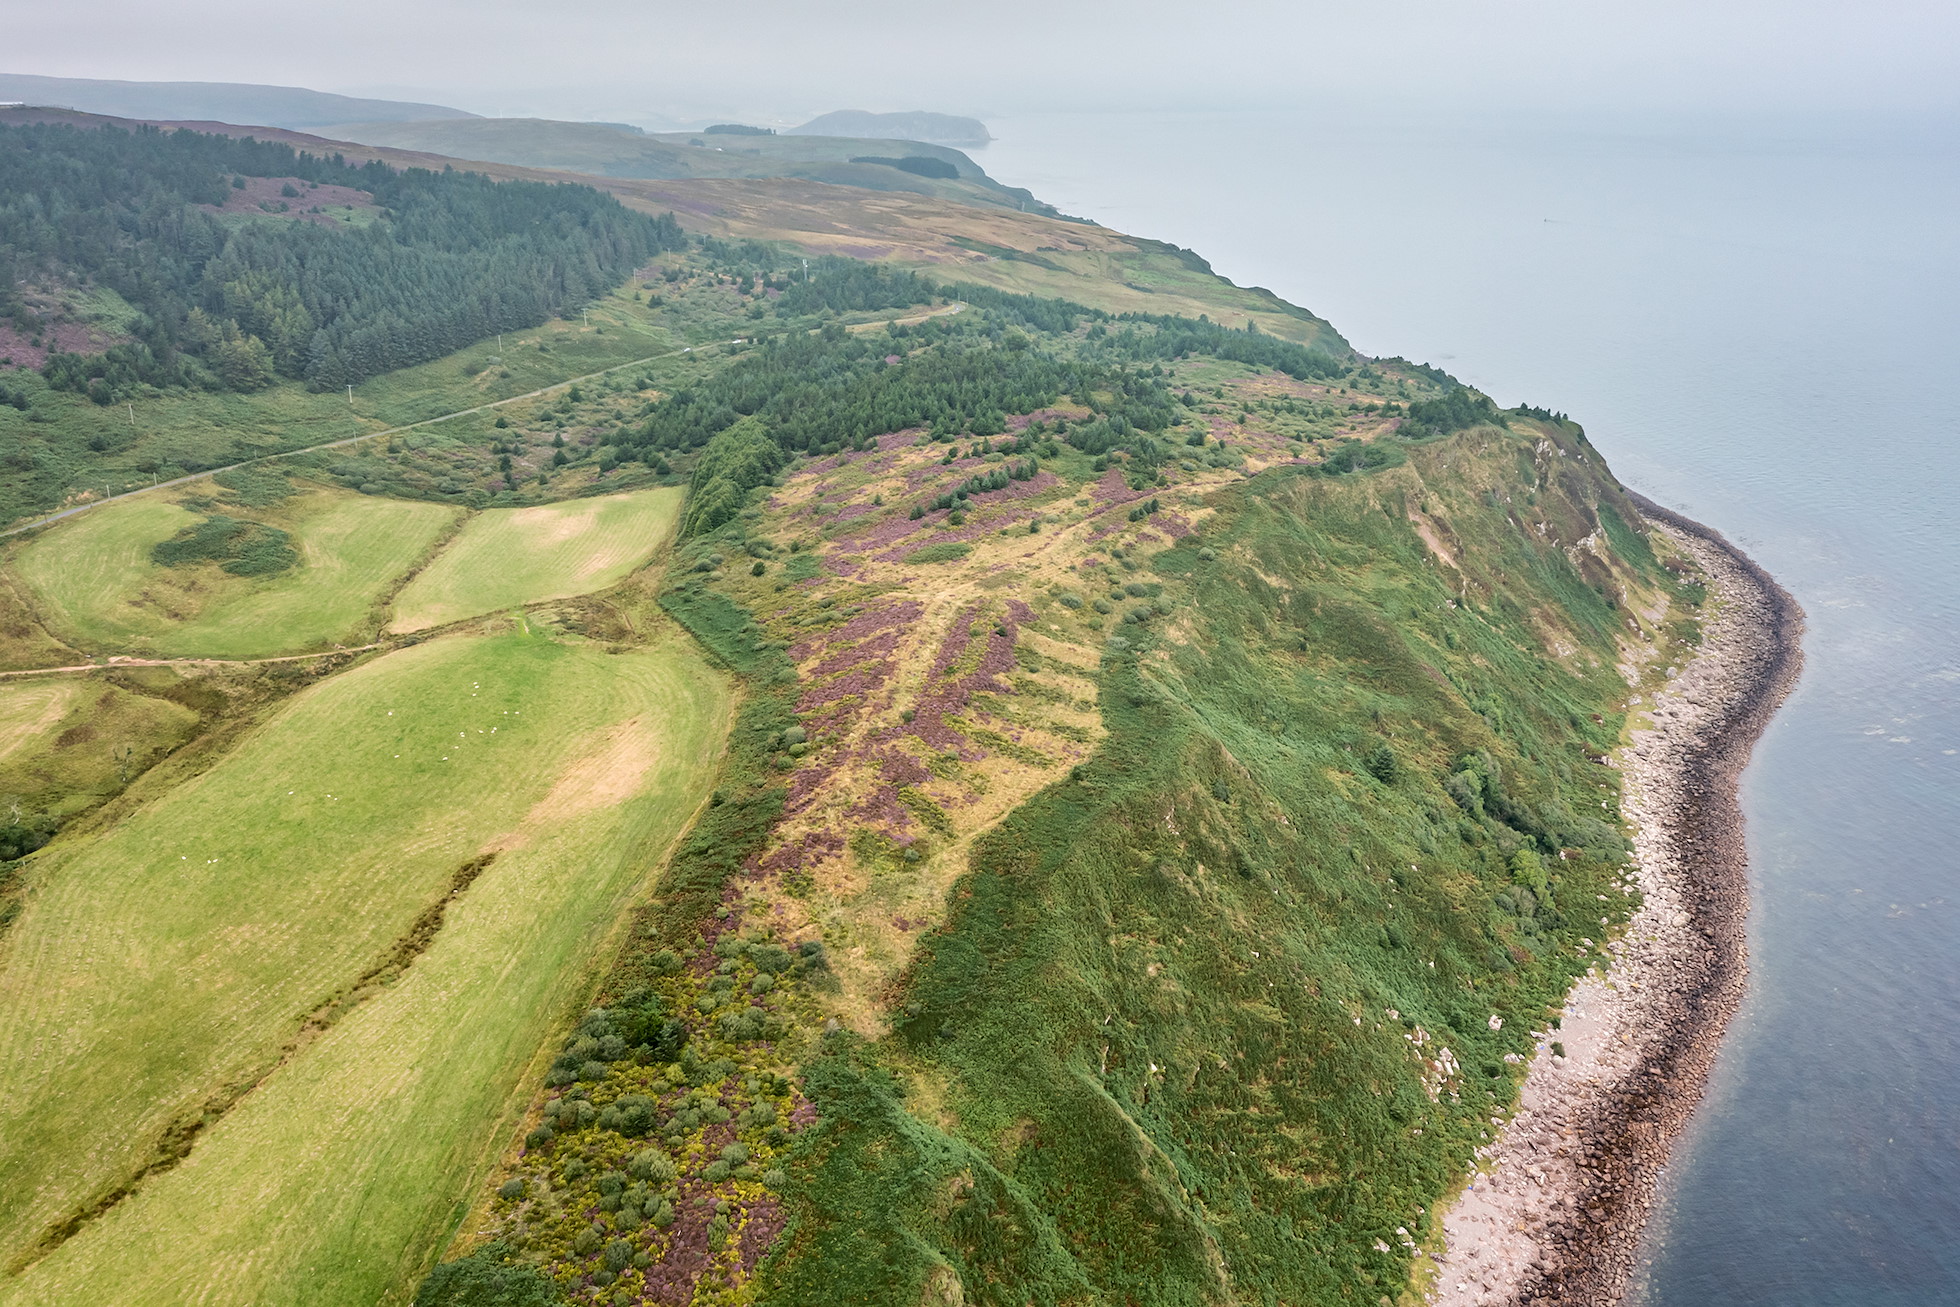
[[229, 304]]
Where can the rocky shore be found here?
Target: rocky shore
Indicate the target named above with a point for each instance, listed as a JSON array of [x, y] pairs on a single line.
[[1556, 1213]]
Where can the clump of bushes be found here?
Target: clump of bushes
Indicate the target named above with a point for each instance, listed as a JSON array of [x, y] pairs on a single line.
[[241, 548]]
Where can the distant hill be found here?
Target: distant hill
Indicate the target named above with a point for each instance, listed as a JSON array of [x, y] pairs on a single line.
[[918, 125], [603, 150], [234, 102]]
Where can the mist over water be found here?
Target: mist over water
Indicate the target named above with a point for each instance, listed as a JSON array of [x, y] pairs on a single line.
[[1763, 331]]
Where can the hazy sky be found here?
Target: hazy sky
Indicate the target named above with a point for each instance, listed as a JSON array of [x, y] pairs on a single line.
[[788, 58]]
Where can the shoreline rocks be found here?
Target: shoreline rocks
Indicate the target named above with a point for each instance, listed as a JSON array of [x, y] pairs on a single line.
[[1555, 1216]]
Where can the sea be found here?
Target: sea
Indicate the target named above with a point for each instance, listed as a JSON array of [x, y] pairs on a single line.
[[1758, 323]]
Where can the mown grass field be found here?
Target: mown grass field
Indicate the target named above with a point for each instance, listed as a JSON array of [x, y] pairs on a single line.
[[508, 557], [164, 965], [96, 584]]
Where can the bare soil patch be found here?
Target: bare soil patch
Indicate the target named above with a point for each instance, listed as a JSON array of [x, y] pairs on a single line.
[[265, 197]]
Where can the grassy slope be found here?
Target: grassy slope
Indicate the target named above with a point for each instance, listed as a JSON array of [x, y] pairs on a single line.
[[1161, 1051], [513, 556], [994, 246], [174, 956], [94, 581]]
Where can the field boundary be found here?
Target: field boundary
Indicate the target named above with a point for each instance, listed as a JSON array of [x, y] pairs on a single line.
[[113, 664]]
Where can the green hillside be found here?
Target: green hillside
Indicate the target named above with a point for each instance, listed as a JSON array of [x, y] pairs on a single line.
[[1033, 777]]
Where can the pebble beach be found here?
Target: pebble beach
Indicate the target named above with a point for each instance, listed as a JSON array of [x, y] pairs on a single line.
[[1555, 1211]]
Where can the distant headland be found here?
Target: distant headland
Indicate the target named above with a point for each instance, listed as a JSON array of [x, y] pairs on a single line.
[[917, 125]]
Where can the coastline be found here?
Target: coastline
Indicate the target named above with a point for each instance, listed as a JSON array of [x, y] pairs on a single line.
[[1555, 1213]]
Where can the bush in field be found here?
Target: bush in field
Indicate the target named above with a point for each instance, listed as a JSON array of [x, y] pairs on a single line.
[[489, 1277], [242, 548]]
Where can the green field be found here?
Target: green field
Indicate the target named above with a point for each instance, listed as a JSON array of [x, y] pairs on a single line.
[[508, 557], [67, 742], [95, 582], [178, 954]]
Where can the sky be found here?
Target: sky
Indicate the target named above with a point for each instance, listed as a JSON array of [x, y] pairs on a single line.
[[783, 60]]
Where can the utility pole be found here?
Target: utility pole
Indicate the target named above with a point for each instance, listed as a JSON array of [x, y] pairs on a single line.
[[132, 417], [350, 397]]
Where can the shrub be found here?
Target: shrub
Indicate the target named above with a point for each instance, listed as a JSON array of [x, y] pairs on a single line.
[[619, 1255], [242, 548], [1382, 764], [652, 1166], [489, 1277], [1528, 870], [512, 1189], [631, 1115]]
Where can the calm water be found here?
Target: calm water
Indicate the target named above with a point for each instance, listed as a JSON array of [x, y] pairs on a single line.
[[1765, 334]]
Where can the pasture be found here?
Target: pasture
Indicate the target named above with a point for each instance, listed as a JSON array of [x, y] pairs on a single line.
[[508, 557], [97, 586], [171, 965], [68, 742]]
